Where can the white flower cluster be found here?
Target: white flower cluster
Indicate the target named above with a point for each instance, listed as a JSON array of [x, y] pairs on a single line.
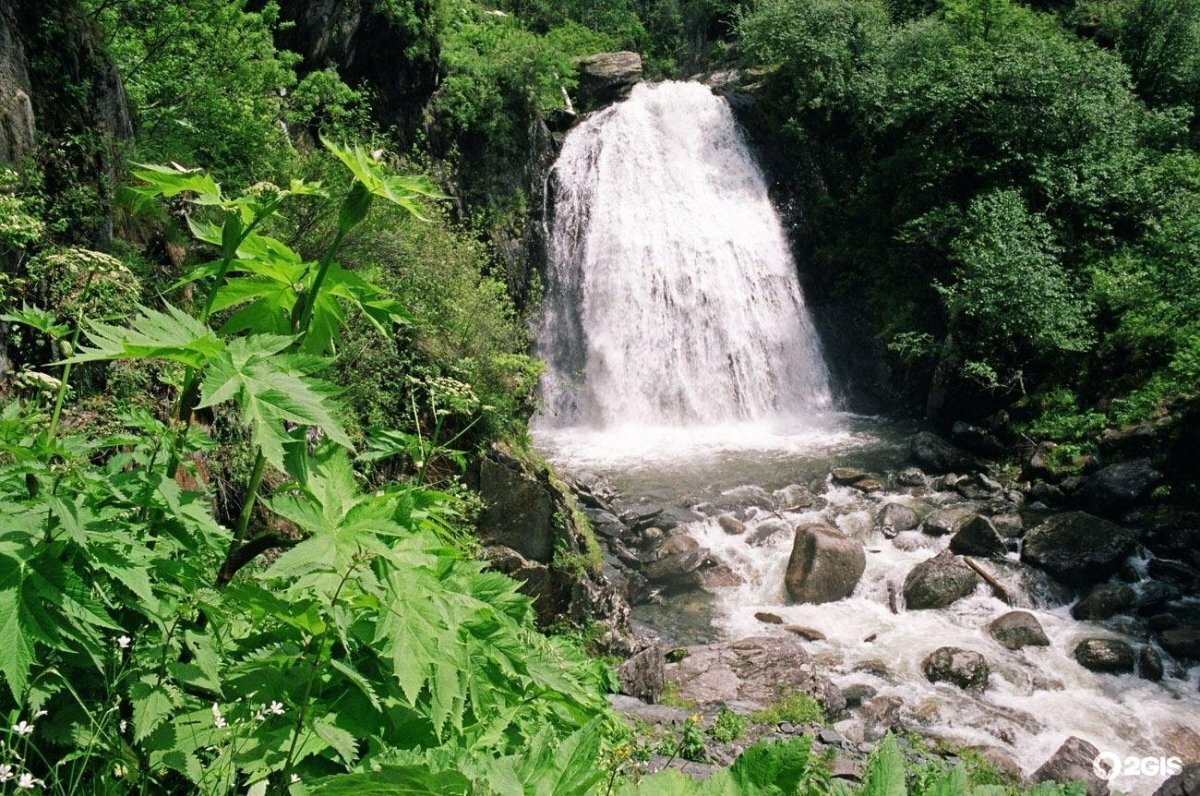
[[23, 780]]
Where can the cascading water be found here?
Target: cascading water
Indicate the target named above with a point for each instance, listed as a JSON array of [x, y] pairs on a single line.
[[672, 298], [683, 368]]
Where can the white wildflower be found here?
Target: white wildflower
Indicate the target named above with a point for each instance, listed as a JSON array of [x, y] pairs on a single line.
[[23, 728], [124, 641], [295, 779], [6, 772], [41, 713], [218, 719], [27, 781], [124, 725], [276, 709]]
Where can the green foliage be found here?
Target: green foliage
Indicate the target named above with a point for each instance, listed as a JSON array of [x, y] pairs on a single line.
[[795, 708], [205, 78], [727, 726], [370, 643]]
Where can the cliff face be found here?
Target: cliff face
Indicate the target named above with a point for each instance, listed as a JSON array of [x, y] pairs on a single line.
[[63, 104], [389, 47]]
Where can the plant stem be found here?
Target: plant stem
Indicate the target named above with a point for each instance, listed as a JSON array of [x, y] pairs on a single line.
[[310, 300], [243, 520]]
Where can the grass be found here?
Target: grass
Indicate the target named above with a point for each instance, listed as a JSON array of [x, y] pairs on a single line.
[[794, 708]]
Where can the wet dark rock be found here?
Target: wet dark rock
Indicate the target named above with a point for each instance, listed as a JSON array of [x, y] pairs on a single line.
[[673, 566], [966, 669], [642, 675], [1175, 572], [1017, 629], [806, 633], [883, 711], [1161, 622], [605, 523], [1072, 483], [731, 525], [944, 522], [910, 476], [1150, 664], [1073, 761], [768, 618], [520, 504], [857, 694], [793, 497], [894, 518], [1104, 601], [825, 565], [1009, 526], [1077, 548], [1134, 441], [977, 439], [608, 77], [1117, 487], [936, 455], [1153, 596], [869, 485], [1171, 531], [939, 581], [1048, 494], [1185, 783], [845, 476], [1181, 642], [639, 519], [535, 578], [767, 530], [714, 574], [977, 537], [758, 668], [623, 554], [1107, 655]]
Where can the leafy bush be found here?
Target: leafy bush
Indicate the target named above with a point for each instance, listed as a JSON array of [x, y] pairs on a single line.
[[795, 708]]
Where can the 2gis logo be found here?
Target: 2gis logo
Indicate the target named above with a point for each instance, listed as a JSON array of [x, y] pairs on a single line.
[[1110, 765]]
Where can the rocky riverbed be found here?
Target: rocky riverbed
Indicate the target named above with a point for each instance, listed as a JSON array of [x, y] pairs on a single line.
[[909, 586]]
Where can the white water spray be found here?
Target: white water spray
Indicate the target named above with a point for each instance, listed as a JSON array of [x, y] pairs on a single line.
[[672, 296]]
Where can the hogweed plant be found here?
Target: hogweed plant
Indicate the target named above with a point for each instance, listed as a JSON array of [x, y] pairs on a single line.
[[147, 648]]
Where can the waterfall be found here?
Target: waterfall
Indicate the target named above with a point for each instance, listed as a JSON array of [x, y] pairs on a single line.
[[672, 298]]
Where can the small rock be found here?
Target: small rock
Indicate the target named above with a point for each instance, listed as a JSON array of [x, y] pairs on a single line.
[[936, 455], [642, 675], [894, 518], [875, 667], [1073, 761], [1107, 655], [977, 537], [730, 524], [1009, 526], [1104, 601], [944, 522], [767, 530], [1017, 629], [869, 485], [939, 581], [845, 476], [1161, 622], [846, 768], [825, 565], [858, 693], [966, 669], [910, 476], [1181, 642], [883, 710], [830, 737], [1150, 664], [767, 618], [806, 633], [715, 575], [1185, 783], [1153, 596]]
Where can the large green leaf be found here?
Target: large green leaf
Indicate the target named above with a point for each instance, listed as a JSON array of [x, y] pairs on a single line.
[[410, 780], [271, 388], [172, 335]]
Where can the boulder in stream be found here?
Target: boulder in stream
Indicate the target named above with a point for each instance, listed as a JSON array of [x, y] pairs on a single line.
[[758, 668], [731, 524], [966, 669], [1118, 487], [1182, 642], [936, 455], [1072, 762], [947, 521], [977, 537], [1185, 783], [939, 581], [896, 517], [1106, 655], [825, 565], [1104, 601], [1017, 629], [1077, 547]]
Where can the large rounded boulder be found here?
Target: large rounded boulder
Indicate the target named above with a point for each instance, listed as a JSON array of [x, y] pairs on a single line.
[[1119, 487], [939, 581], [1077, 547], [825, 565], [1018, 629], [1105, 655], [978, 537]]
